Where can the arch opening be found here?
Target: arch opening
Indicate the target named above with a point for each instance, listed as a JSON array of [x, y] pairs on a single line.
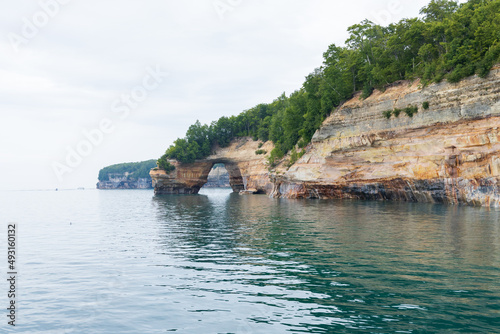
[[218, 177], [224, 174]]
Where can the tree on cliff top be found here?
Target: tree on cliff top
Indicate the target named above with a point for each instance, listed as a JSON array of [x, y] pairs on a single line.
[[135, 170], [438, 10], [450, 42]]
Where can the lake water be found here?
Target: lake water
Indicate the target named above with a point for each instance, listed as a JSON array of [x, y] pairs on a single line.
[[126, 261]]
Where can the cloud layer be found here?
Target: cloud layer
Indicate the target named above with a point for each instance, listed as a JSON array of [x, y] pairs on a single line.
[[74, 59]]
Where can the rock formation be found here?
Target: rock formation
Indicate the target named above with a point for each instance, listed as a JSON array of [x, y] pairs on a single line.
[[122, 181], [448, 153], [218, 178], [247, 170]]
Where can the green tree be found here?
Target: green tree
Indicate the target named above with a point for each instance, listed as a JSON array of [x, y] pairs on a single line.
[[438, 10], [450, 42]]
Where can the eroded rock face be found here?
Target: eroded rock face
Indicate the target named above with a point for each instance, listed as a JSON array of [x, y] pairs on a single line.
[[449, 153], [122, 181], [218, 178], [246, 170]]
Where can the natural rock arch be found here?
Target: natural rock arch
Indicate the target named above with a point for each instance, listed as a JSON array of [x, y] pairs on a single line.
[[190, 178], [247, 171]]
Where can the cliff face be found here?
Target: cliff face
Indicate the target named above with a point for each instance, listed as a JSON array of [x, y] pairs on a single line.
[[247, 170], [448, 153], [218, 178], [122, 181]]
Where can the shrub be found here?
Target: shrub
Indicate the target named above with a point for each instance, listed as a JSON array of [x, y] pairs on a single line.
[[260, 145], [302, 143], [164, 164], [275, 156], [294, 156], [396, 112], [410, 111], [491, 56], [439, 77], [387, 113], [259, 152], [367, 91], [425, 105]]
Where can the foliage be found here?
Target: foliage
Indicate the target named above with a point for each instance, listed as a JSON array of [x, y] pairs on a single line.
[[164, 164], [135, 170], [302, 143], [259, 152], [410, 111], [275, 156], [387, 114], [438, 10], [367, 91], [294, 156], [425, 105], [451, 41]]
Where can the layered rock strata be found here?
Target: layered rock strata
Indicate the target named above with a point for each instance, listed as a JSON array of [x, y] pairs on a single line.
[[218, 178], [448, 153], [122, 181], [246, 169]]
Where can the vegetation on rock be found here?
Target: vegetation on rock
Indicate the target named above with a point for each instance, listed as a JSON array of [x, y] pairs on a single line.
[[451, 41], [164, 164], [409, 111], [135, 170]]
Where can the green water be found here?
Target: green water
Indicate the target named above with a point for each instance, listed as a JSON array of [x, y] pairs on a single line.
[[131, 262]]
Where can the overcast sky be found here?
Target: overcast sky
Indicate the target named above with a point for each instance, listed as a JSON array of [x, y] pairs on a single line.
[[85, 84]]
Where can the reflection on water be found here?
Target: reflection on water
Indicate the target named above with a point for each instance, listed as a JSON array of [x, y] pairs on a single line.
[[321, 265], [131, 262]]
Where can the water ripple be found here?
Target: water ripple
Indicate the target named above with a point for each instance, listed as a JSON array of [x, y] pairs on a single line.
[[130, 262]]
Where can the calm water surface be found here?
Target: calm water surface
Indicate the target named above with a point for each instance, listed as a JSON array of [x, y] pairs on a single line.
[[129, 262]]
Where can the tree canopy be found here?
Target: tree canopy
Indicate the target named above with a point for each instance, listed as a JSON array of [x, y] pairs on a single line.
[[135, 170], [450, 41]]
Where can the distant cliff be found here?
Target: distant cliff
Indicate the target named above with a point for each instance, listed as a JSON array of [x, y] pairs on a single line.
[[379, 148], [132, 175], [218, 177], [127, 176], [122, 181]]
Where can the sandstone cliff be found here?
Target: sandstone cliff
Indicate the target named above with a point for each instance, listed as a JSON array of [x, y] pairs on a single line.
[[122, 181], [218, 178], [247, 170], [448, 153]]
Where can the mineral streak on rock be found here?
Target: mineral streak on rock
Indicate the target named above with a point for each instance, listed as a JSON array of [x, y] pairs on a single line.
[[448, 153], [246, 170]]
